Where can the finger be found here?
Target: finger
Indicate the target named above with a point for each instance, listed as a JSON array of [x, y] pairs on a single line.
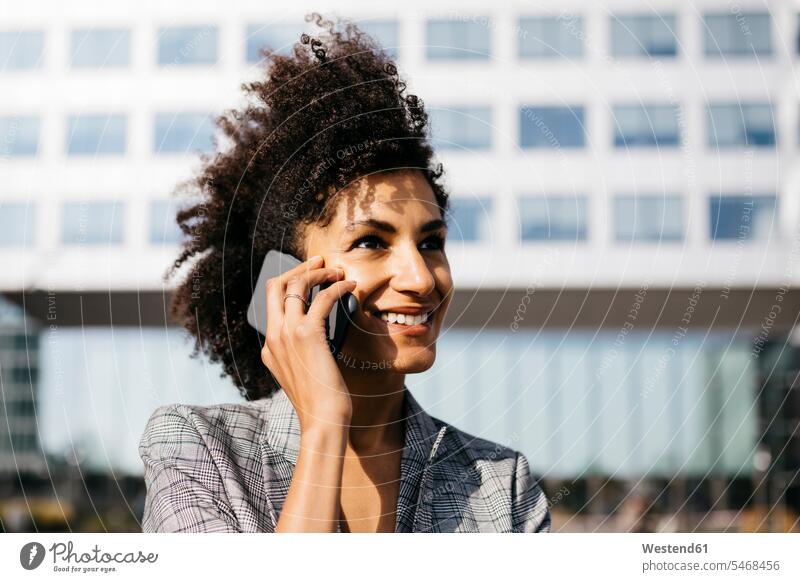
[[276, 291], [301, 285], [323, 303]]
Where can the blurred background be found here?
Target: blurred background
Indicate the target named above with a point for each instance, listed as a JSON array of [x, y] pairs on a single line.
[[624, 242]]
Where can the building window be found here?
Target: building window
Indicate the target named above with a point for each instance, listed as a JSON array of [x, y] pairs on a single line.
[[645, 125], [551, 127], [187, 45], [17, 224], [742, 217], [740, 124], [183, 132], [19, 136], [471, 219], [164, 228], [92, 223], [553, 217], [644, 35], [386, 33], [100, 48], [96, 134], [648, 218], [550, 37], [459, 40], [737, 35], [21, 49], [280, 38], [461, 128]]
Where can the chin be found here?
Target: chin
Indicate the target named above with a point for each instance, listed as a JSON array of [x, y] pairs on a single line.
[[414, 360]]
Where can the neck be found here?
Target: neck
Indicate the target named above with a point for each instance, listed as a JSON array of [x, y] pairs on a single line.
[[377, 423]]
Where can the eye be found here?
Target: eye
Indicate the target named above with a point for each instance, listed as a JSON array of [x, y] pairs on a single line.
[[437, 241], [368, 239]]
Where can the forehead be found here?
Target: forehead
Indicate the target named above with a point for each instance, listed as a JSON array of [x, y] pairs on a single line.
[[390, 196]]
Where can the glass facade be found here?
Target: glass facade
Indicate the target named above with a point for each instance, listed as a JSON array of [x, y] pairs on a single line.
[[96, 134], [278, 37], [471, 219], [19, 136], [645, 125], [458, 40], [579, 402], [731, 125], [549, 37], [645, 35], [92, 223], [739, 34], [385, 32], [164, 229], [553, 218], [187, 45], [461, 128], [21, 49], [100, 48], [17, 224], [743, 217], [645, 218], [551, 127], [183, 132]]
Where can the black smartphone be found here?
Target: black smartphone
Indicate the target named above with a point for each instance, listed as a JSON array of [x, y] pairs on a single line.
[[338, 321]]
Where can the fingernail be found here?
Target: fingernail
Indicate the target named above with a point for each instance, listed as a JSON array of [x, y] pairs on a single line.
[[315, 258]]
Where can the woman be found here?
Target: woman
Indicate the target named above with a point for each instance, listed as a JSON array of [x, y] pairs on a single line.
[[331, 164]]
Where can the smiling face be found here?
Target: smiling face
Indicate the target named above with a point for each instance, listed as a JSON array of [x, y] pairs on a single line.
[[388, 235]]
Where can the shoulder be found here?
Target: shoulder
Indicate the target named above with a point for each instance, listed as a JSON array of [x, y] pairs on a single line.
[[503, 475], [180, 426], [478, 453]]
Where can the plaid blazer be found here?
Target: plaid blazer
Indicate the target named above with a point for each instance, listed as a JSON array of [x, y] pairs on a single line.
[[228, 467]]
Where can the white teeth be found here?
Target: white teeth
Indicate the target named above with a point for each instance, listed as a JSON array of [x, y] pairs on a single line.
[[404, 319]]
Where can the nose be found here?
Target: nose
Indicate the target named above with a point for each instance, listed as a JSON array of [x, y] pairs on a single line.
[[410, 272]]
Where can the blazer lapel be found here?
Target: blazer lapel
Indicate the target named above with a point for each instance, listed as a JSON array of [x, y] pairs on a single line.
[[424, 443]]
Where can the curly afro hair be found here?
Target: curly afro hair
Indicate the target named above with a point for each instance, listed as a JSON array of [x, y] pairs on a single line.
[[333, 111]]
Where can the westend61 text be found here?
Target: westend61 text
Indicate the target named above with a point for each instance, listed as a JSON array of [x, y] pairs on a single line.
[[673, 549]]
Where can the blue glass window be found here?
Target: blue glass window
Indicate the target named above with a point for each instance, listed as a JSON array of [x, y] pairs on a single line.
[[187, 45], [740, 124], [17, 224], [164, 228], [644, 35], [19, 136], [553, 217], [461, 128], [471, 219], [92, 223], [737, 34], [98, 134], [100, 47], [742, 217], [457, 39], [645, 125], [551, 127], [21, 49], [183, 132], [279, 37], [550, 37], [385, 32], [648, 218]]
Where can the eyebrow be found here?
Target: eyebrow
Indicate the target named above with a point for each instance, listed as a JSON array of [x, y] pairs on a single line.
[[434, 224]]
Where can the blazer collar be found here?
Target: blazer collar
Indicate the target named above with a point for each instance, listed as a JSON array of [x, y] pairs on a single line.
[[280, 445], [283, 427]]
